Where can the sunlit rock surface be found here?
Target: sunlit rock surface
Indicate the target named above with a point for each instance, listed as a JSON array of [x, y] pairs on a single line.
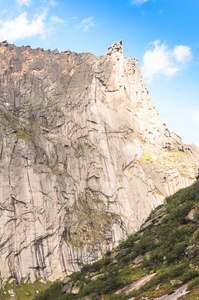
[[84, 158]]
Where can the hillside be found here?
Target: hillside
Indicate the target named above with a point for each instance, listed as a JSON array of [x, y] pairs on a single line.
[[164, 254]]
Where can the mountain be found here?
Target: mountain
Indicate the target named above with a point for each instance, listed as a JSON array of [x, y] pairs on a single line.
[[160, 261], [84, 158]]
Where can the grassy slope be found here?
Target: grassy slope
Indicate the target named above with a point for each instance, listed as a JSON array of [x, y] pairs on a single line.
[[26, 290], [167, 244]]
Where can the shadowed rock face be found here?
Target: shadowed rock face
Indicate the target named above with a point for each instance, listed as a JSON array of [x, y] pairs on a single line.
[[84, 158]]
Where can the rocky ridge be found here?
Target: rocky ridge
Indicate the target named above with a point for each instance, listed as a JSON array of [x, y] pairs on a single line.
[[82, 148]]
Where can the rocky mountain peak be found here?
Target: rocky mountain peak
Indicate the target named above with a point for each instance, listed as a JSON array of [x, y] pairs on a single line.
[[116, 47], [84, 158]]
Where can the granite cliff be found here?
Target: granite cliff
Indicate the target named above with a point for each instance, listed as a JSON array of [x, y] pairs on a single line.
[[159, 262], [84, 158]]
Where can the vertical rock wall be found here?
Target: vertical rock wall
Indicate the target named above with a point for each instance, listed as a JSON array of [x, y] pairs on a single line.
[[84, 158]]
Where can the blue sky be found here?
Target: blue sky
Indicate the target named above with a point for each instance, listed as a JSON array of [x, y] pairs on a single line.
[[162, 34]]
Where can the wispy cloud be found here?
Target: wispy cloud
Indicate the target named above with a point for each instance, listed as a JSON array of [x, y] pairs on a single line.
[[22, 27], [23, 2], [3, 12], [53, 3], [71, 19], [56, 19], [138, 2], [161, 60], [85, 24], [196, 116]]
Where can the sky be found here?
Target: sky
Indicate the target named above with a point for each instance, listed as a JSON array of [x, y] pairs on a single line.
[[162, 34]]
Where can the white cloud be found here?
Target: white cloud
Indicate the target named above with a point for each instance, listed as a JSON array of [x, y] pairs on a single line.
[[197, 116], [182, 53], [71, 19], [21, 27], [138, 2], [161, 60], [53, 3], [86, 24], [23, 2], [49, 3], [56, 19]]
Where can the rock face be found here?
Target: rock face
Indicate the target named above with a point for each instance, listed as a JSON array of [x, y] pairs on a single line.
[[84, 158]]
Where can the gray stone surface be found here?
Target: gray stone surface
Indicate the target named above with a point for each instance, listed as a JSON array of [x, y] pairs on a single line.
[[84, 158], [179, 293]]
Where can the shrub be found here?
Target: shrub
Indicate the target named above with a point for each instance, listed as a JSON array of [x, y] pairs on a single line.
[[104, 285], [115, 297], [129, 242], [177, 270], [86, 268], [196, 236], [193, 283], [77, 276], [178, 250], [145, 244], [95, 267], [191, 274], [52, 293], [156, 256]]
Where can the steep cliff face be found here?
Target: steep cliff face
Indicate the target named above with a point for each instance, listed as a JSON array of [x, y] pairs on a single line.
[[84, 158]]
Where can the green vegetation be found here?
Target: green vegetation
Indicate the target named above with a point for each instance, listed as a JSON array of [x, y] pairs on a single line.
[[26, 290], [53, 292]]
